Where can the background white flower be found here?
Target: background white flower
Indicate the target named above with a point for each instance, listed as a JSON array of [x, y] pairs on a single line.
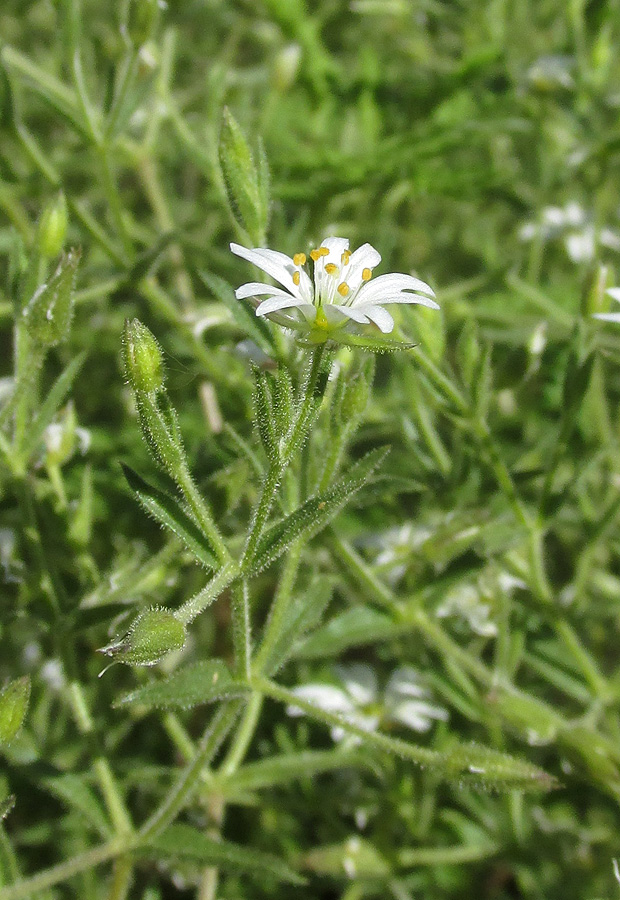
[[358, 700], [340, 292], [614, 293], [575, 228]]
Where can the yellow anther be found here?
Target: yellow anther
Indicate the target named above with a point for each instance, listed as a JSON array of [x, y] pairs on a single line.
[[296, 277], [315, 254], [346, 256], [331, 268], [299, 259], [323, 251], [343, 289], [366, 275]]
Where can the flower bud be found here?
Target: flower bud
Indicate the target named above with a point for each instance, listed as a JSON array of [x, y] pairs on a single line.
[[48, 313], [155, 633], [13, 705], [246, 179], [286, 67], [355, 399], [144, 366], [593, 299], [142, 18], [52, 229]]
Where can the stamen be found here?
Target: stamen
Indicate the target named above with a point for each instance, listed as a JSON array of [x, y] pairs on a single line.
[[299, 259], [296, 278], [315, 254], [366, 275], [323, 251], [331, 268], [343, 289], [346, 256]]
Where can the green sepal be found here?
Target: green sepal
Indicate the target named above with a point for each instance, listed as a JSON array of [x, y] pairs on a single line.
[[154, 634]]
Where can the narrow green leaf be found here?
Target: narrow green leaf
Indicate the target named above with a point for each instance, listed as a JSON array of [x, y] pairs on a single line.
[[77, 795], [193, 685], [357, 626], [13, 706], [52, 403], [282, 399], [184, 842], [242, 312], [315, 514], [166, 509], [287, 767], [54, 92], [265, 417], [305, 613]]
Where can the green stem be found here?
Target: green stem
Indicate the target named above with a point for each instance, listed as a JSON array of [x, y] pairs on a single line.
[[105, 777], [65, 870], [279, 607], [243, 736], [277, 469], [204, 598], [114, 198], [202, 512], [242, 628], [122, 878], [419, 755], [219, 726]]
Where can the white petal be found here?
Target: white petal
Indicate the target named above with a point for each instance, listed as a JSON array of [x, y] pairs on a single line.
[[614, 293], [278, 265], [404, 682], [360, 682], [256, 289], [351, 313], [336, 247], [417, 714], [387, 287], [608, 317], [326, 697], [380, 317], [275, 303], [365, 257]]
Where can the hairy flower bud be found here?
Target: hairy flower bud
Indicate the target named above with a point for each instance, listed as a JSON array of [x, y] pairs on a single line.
[[48, 313], [13, 705], [155, 633], [143, 358], [142, 18], [52, 229]]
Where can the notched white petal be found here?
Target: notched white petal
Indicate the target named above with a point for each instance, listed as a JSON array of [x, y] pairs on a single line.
[[379, 289], [350, 312], [275, 303], [257, 289], [278, 265], [381, 317]]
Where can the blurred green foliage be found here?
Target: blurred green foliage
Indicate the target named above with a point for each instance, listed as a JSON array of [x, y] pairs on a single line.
[[475, 144]]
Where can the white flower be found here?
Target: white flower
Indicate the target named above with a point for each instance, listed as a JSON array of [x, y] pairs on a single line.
[[574, 226], [359, 701], [340, 292], [614, 293]]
